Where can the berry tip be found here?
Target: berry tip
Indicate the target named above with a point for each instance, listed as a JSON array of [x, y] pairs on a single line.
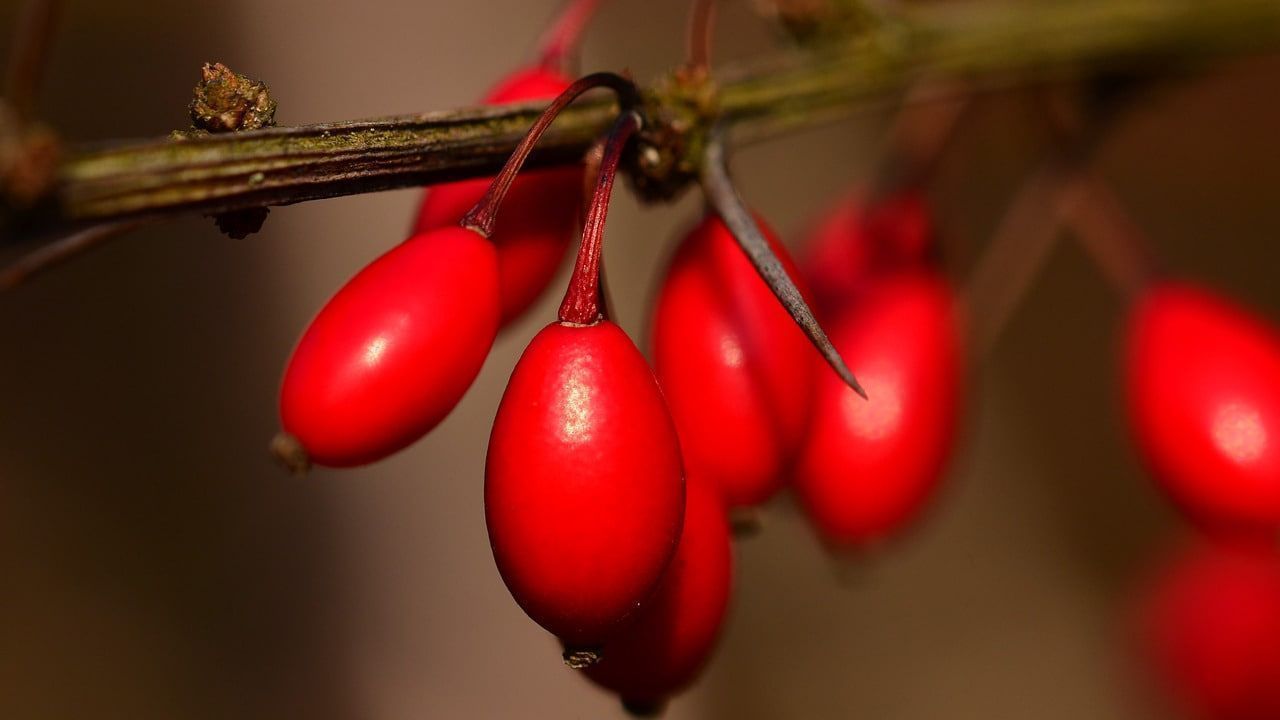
[[290, 453], [581, 658]]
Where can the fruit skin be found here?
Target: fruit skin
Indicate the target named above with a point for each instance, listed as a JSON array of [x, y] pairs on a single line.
[[1209, 628], [1202, 378], [735, 368], [391, 354], [584, 490], [854, 243], [869, 466], [538, 218], [672, 637]]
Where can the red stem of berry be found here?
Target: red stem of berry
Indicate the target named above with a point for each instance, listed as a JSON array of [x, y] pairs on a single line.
[[924, 129], [701, 26], [28, 55], [582, 300], [564, 35], [483, 216], [1107, 233], [1019, 248]]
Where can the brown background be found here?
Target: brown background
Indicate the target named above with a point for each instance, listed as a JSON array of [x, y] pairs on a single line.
[[154, 564]]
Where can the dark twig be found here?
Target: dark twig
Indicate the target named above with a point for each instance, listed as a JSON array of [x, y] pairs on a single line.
[[1000, 41], [724, 199], [28, 54], [1063, 193], [1059, 196], [47, 257]]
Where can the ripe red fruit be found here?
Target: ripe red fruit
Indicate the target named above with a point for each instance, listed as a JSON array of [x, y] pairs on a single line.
[[539, 215], [868, 466], [394, 350], [1202, 377], [854, 243], [584, 492], [1210, 629], [672, 637], [735, 368]]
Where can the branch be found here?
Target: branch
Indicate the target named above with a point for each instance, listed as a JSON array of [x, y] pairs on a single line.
[[990, 44]]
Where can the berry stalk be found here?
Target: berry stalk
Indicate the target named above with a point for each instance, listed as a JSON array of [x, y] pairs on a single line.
[[565, 34], [1107, 233], [582, 304], [28, 55], [701, 27], [483, 217]]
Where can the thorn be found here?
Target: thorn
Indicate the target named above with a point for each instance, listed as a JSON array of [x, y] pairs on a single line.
[[724, 199]]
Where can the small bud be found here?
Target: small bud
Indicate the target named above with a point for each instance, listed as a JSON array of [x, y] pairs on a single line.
[[240, 224], [287, 451], [581, 658], [226, 101]]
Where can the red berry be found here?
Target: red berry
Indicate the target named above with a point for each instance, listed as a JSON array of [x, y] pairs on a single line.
[[735, 368], [531, 83], [394, 350], [853, 244], [1211, 630], [539, 214], [1203, 383], [869, 465], [584, 491], [672, 637]]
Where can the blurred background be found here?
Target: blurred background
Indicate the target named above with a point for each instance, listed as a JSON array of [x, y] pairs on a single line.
[[156, 564]]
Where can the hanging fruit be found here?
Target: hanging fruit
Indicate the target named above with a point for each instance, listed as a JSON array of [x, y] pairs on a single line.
[[672, 637], [869, 467], [735, 368], [1209, 627], [860, 239], [392, 353], [584, 489], [1202, 381]]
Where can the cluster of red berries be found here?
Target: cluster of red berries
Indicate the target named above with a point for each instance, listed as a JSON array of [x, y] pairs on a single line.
[[608, 483], [1209, 630], [1203, 381], [867, 468], [1202, 377]]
